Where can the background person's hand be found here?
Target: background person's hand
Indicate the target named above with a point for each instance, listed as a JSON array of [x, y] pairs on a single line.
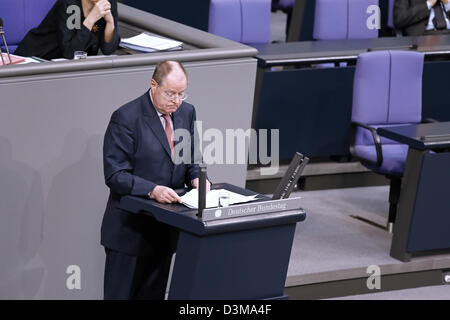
[[164, 194], [109, 18], [100, 9], [432, 2]]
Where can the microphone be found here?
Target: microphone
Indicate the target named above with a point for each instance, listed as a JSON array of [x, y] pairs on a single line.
[[201, 189], [2, 33]]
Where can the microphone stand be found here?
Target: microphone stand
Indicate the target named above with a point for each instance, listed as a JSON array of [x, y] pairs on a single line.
[[2, 33], [201, 189], [1, 55]]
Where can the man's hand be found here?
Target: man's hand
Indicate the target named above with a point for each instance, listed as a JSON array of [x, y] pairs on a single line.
[[446, 1], [164, 195], [432, 2], [195, 184]]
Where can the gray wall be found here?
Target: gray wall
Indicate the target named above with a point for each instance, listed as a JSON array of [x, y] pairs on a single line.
[[52, 192]]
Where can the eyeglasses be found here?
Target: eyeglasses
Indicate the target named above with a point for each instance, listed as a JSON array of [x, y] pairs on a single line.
[[173, 95]]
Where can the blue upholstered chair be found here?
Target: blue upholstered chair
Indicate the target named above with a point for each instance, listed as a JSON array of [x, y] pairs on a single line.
[[390, 20], [387, 91], [342, 19], [225, 19], [246, 21], [19, 16]]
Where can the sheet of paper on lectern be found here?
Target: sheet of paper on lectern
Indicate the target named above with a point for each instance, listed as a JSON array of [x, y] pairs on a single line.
[[190, 199]]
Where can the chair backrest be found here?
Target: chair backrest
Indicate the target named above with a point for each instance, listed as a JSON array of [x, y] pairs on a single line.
[[19, 16], [246, 21], [343, 19], [225, 19], [357, 19], [255, 21], [286, 3], [330, 20], [387, 89], [390, 21]]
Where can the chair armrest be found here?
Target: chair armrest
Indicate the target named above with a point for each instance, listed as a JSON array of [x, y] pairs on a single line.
[[429, 120], [376, 140]]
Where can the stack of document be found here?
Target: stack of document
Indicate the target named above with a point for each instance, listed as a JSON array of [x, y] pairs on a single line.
[[190, 199], [148, 43], [14, 59]]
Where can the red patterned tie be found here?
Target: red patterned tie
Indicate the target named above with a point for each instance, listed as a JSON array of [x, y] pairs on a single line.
[[168, 130]]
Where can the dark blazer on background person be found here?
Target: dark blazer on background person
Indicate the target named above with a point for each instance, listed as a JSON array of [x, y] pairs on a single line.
[[411, 16], [53, 39], [137, 158]]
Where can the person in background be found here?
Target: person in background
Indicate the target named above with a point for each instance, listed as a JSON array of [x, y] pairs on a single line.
[[62, 32], [422, 17]]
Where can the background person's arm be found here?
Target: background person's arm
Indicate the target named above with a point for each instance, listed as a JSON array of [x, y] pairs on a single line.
[[111, 39], [406, 15]]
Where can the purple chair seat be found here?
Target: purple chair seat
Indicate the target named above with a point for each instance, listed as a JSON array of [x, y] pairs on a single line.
[[246, 21], [364, 137], [394, 157]]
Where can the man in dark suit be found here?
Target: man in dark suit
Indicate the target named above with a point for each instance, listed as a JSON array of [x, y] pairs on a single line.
[[422, 17], [138, 155]]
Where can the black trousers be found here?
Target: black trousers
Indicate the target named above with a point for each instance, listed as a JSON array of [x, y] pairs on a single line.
[[135, 277]]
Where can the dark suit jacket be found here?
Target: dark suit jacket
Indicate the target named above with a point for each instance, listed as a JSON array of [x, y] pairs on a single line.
[[136, 157], [53, 39], [411, 16]]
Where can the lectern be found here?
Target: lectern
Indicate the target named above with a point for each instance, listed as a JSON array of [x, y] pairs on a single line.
[[236, 252]]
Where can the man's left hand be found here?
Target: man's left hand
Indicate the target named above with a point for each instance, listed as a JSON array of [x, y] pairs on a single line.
[[445, 1], [195, 184]]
